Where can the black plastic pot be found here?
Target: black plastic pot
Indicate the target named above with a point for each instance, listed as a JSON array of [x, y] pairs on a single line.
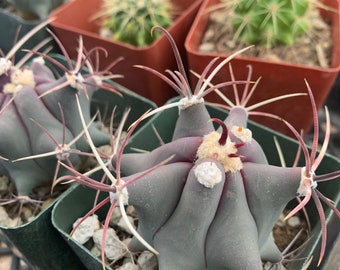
[[66, 211], [11, 23]]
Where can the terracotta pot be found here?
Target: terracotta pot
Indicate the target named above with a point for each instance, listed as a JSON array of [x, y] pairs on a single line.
[[276, 78], [74, 19]]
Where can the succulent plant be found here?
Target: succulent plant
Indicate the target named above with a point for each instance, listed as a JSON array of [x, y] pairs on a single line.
[[269, 22], [209, 198], [38, 9], [38, 114], [131, 21]]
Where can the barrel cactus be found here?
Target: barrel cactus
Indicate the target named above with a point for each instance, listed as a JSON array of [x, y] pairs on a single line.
[[209, 198], [131, 21], [270, 22]]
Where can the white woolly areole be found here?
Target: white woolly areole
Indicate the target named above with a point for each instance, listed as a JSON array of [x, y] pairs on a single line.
[[208, 174], [244, 134], [39, 60], [98, 80], [23, 77], [75, 80], [11, 88], [185, 103], [63, 151], [302, 190], [5, 65], [114, 196], [210, 148], [19, 78]]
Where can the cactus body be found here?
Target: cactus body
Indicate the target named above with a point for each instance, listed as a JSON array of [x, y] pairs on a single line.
[[23, 110], [208, 199], [225, 224], [131, 21], [270, 22]]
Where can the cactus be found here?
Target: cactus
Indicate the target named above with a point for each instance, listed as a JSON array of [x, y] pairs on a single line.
[[131, 21], [269, 23], [38, 116], [209, 198], [38, 9]]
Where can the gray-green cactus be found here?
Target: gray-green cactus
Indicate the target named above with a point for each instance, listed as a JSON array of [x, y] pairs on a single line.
[[39, 121], [209, 199], [131, 21]]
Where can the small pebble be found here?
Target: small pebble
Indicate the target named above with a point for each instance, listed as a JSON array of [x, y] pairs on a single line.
[[147, 261], [207, 47], [128, 266], [114, 248], [86, 229], [116, 216], [122, 224], [4, 182], [293, 221]]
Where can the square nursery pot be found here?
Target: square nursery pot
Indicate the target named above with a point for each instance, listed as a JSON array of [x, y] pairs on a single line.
[[12, 23], [38, 241], [276, 78], [74, 19], [66, 211]]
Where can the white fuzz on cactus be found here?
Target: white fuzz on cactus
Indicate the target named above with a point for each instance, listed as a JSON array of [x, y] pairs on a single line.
[[5, 65], [75, 79], [40, 60], [225, 154], [19, 79], [187, 102], [208, 174], [120, 192], [244, 134], [306, 183]]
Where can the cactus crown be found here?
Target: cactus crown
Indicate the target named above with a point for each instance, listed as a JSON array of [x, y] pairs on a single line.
[[131, 21], [270, 22]]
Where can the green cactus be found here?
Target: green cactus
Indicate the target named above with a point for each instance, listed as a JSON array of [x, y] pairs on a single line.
[[269, 22], [131, 21]]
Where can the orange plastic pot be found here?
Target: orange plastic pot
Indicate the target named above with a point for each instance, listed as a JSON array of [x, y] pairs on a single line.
[[276, 78], [74, 19]]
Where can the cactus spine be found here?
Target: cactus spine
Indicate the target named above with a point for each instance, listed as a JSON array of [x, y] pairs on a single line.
[[269, 22]]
